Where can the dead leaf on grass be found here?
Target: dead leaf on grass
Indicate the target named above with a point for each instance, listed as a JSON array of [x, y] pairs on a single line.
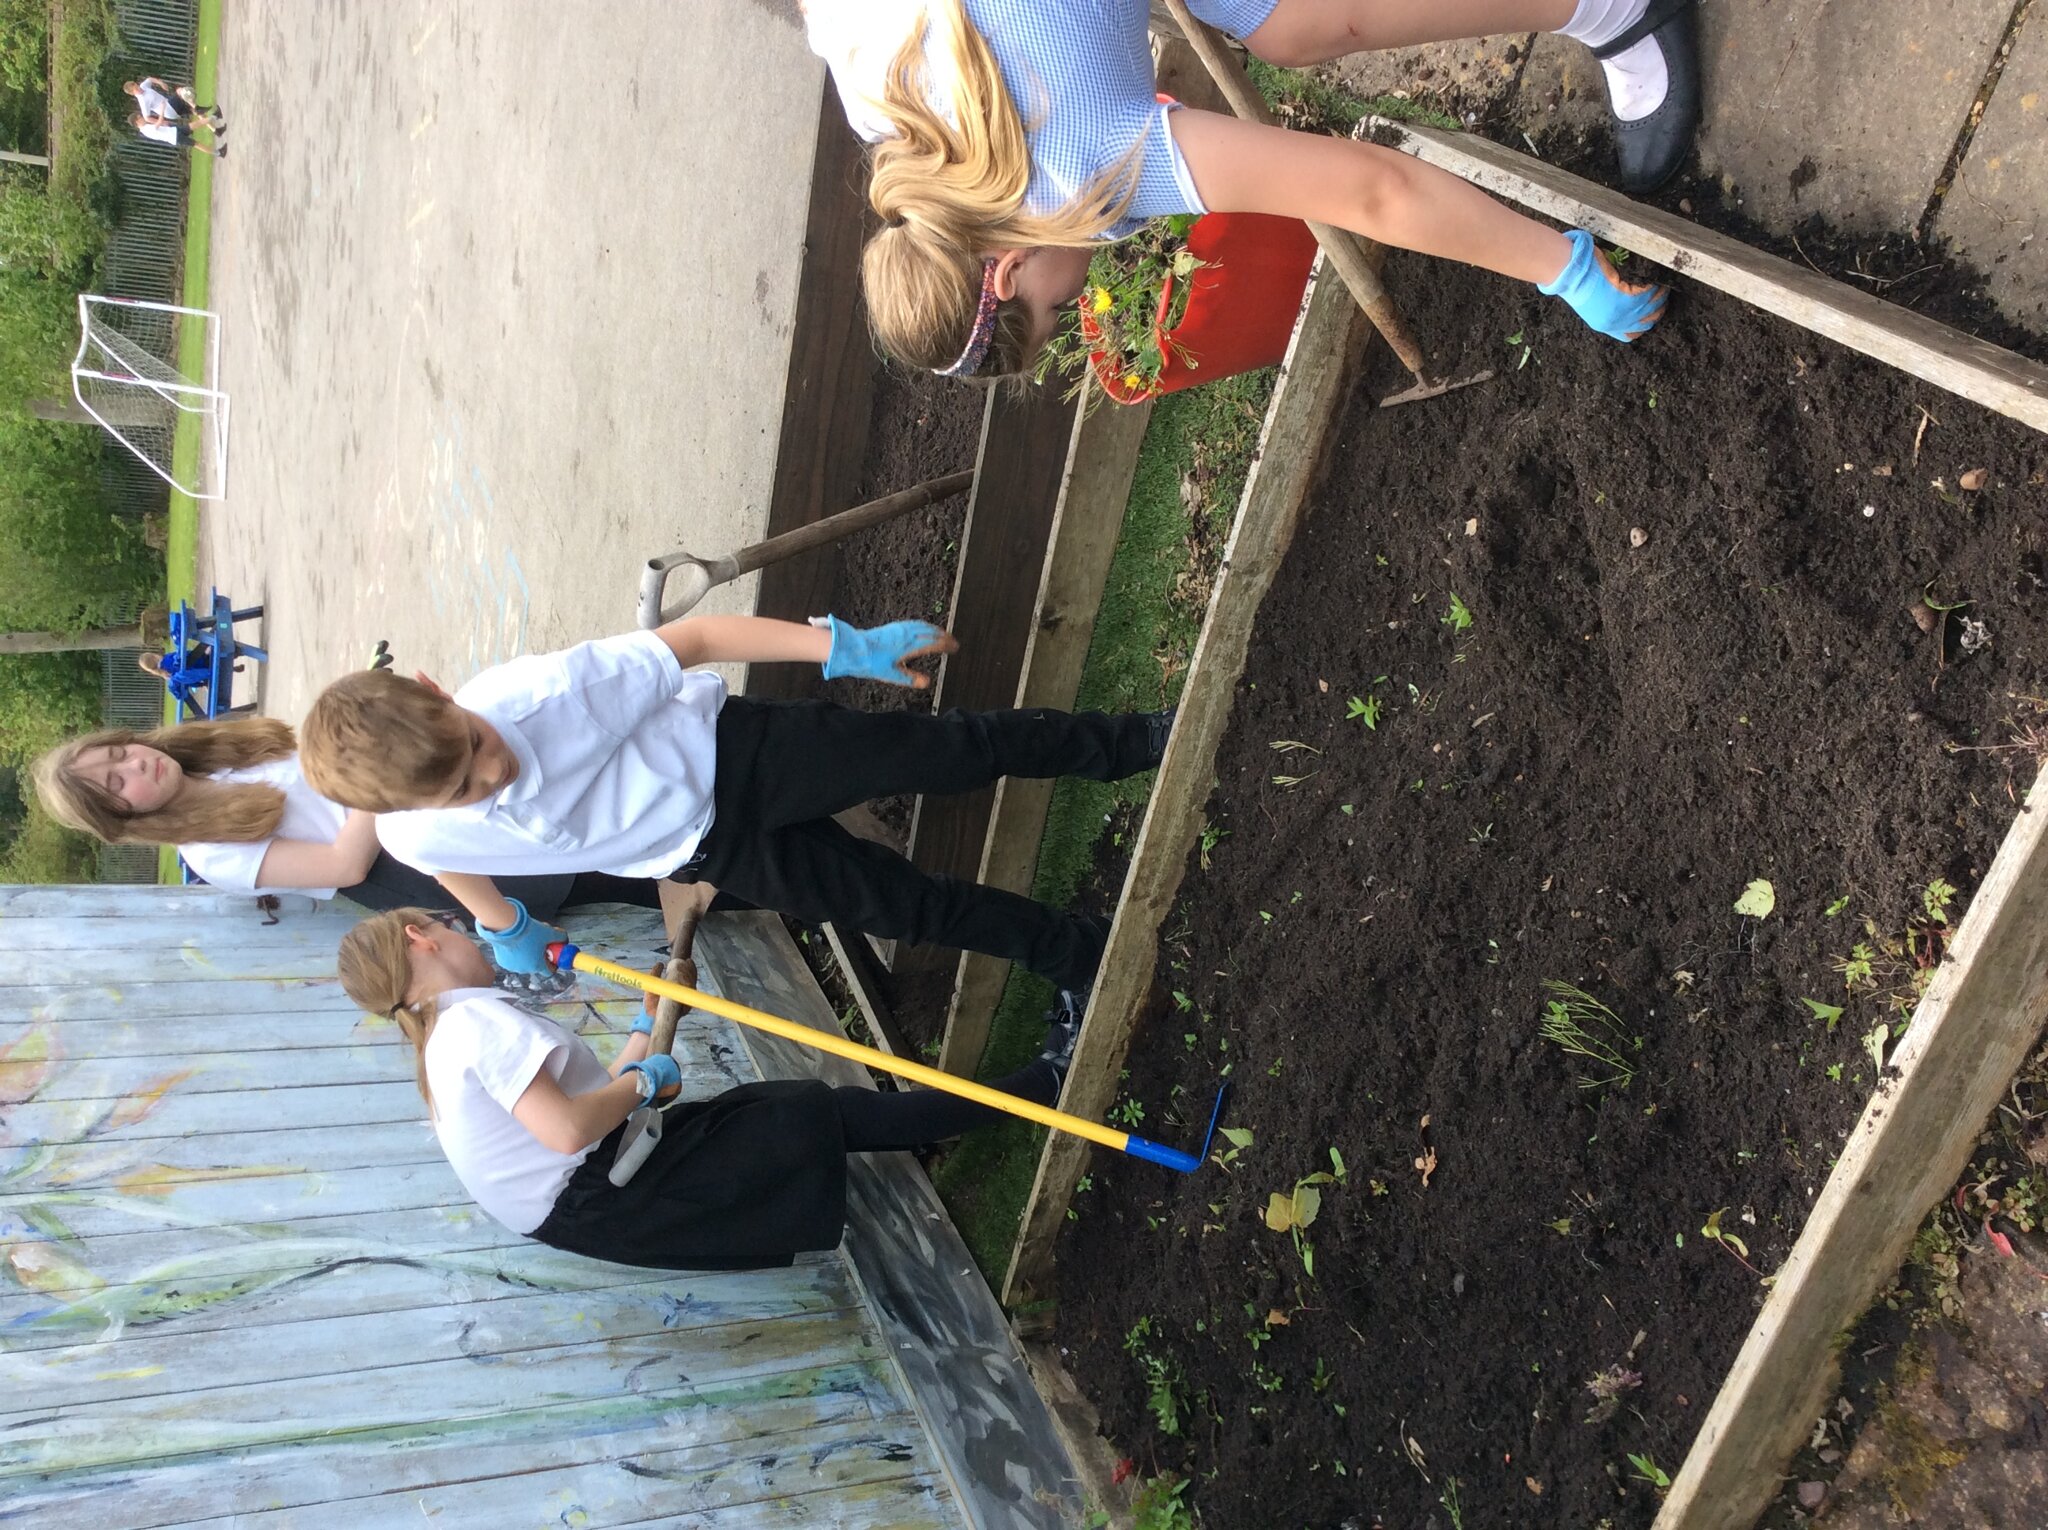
[[1427, 1164]]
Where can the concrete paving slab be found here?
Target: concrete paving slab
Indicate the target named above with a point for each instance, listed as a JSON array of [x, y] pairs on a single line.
[[1845, 110], [507, 294], [1996, 213], [1467, 76]]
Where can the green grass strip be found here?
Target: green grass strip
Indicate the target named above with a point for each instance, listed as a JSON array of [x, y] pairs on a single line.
[[987, 1179], [181, 547]]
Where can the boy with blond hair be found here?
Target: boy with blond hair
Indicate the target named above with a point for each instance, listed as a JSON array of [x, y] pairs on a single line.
[[625, 756]]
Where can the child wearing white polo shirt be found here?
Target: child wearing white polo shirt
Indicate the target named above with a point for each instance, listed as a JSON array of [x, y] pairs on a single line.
[[530, 1119], [622, 756]]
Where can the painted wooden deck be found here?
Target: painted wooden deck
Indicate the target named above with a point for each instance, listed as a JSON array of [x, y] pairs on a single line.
[[237, 1282]]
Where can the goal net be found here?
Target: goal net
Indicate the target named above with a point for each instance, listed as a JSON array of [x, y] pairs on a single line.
[[127, 376]]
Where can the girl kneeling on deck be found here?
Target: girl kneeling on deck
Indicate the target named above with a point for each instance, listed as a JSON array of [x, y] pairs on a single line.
[[530, 1120], [1012, 135]]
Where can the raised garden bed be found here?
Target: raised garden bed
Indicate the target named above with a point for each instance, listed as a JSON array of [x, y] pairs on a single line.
[[1627, 733]]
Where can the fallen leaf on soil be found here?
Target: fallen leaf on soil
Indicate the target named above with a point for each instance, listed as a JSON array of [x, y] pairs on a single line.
[[1126, 1469], [1472, 527], [1533, 1486], [1757, 900], [1882, 472], [1276, 1319], [1427, 1164], [1973, 480]]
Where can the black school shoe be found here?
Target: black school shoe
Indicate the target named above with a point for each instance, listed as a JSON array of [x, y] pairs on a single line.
[[1063, 1029], [1652, 148], [1158, 728]]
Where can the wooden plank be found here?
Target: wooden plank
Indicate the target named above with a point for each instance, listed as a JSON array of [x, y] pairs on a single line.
[[1972, 1030], [309, 1349], [280, 1197], [1025, 438], [828, 399], [226, 1155], [675, 1364], [1315, 380], [957, 1356], [1976, 369], [143, 900], [198, 1298], [861, 970], [1102, 459], [416, 1443], [850, 1473]]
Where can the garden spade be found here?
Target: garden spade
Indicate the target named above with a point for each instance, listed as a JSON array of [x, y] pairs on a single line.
[[696, 577], [1355, 259]]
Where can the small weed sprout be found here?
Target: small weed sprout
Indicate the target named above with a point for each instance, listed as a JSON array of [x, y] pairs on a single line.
[[1159, 1506], [1459, 617], [1165, 1391], [1211, 838], [1239, 1138], [1295, 1211], [1713, 1233], [1936, 899], [1587, 1029], [1647, 1470], [1451, 1505], [1365, 710]]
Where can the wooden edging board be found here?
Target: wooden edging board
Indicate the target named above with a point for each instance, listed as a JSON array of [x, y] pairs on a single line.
[[1101, 461], [1315, 381], [1981, 372], [1968, 1037], [961, 1366]]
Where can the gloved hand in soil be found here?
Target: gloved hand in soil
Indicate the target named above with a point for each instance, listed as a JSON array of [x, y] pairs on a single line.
[[1618, 309], [883, 653], [522, 946]]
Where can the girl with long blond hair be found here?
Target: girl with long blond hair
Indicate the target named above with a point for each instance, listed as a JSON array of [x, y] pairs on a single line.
[[230, 796], [530, 1120], [1012, 135]]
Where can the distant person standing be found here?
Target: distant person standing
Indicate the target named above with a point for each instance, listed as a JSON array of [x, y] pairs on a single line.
[[166, 115]]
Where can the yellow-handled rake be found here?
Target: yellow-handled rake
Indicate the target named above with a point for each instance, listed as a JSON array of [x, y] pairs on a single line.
[[570, 958]]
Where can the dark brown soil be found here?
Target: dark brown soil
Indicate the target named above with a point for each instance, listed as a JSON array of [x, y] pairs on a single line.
[[1578, 787]]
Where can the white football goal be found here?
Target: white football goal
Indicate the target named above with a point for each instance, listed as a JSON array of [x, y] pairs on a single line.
[[127, 376]]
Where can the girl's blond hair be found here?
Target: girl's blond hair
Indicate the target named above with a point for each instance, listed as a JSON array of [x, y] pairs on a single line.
[[375, 966], [947, 194], [239, 813]]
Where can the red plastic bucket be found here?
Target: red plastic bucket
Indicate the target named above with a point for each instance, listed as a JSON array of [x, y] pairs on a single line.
[[1241, 313]]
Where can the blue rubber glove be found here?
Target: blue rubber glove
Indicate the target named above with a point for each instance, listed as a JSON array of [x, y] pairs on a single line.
[[881, 653], [523, 946], [1595, 290], [659, 1075]]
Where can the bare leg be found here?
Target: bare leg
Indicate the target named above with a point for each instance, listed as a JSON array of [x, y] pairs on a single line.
[[1314, 31]]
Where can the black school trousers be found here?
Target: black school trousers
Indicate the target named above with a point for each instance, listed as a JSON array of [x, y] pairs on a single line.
[[785, 767]]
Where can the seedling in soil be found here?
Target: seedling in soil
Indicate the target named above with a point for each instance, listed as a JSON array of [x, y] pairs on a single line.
[[1527, 350], [1239, 1138], [1647, 1470], [1130, 1113], [1211, 838], [1481, 836], [1874, 1042], [1165, 1390], [1296, 1211], [1734, 1245], [1159, 1506], [1838, 905], [1459, 617], [1336, 1166], [1365, 710], [1857, 967], [1451, 1505], [1828, 1012], [1288, 783], [1586, 1028], [1936, 899]]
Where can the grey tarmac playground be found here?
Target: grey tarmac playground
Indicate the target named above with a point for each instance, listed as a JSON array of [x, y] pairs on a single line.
[[506, 292]]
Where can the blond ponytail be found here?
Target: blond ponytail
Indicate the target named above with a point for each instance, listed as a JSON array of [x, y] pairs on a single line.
[[375, 967], [240, 813], [949, 192]]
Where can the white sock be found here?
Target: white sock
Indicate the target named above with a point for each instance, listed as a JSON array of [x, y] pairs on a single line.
[[1636, 77]]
